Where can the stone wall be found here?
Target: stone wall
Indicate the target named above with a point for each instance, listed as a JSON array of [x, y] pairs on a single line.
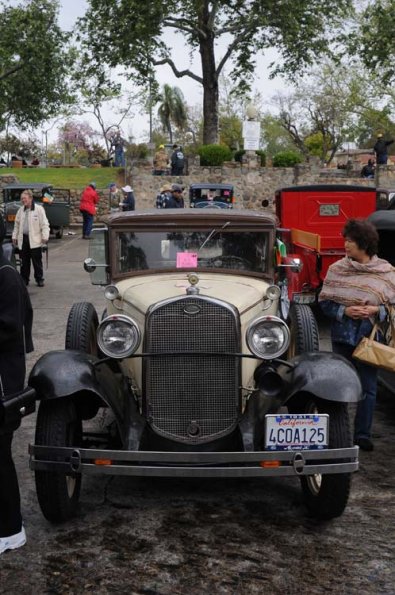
[[252, 183]]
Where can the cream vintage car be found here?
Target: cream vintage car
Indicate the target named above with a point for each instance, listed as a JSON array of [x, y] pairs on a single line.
[[201, 374]]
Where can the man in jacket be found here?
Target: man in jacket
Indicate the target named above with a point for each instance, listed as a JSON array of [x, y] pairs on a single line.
[[128, 203], [30, 234], [88, 202], [16, 317], [175, 200], [177, 161], [161, 161], [380, 148]]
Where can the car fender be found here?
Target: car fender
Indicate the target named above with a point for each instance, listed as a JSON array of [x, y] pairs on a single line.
[[64, 373], [326, 375]]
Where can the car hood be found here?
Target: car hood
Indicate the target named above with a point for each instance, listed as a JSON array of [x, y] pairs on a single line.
[[241, 291]]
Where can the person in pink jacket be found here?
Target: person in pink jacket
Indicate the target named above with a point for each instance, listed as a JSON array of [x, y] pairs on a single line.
[[88, 202]]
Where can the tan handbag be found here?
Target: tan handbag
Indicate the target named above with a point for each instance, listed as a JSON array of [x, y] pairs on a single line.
[[376, 354]]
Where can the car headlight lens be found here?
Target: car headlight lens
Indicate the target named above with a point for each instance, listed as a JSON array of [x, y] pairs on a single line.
[[268, 337], [118, 336]]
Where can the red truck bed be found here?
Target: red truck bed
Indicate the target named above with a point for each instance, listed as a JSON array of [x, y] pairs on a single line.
[[324, 209]]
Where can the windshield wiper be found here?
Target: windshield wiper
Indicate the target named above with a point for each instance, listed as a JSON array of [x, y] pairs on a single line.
[[212, 233]]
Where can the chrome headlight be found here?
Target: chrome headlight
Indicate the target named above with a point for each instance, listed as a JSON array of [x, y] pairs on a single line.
[[268, 337], [118, 336]]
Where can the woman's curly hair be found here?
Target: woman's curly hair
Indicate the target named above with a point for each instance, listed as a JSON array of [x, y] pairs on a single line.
[[363, 233]]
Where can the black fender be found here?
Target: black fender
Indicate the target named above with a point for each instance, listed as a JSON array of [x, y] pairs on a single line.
[[325, 375], [64, 373]]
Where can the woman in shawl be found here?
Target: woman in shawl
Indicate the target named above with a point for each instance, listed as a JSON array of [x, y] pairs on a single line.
[[354, 295]]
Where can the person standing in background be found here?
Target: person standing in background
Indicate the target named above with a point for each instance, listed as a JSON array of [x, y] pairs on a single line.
[[177, 161], [88, 202], [116, 197], [16, 318], [161, 161], [380, 148], [31, 232], [128, 203]]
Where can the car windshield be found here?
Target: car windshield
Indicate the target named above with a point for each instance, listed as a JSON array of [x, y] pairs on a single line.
[[241, 251]]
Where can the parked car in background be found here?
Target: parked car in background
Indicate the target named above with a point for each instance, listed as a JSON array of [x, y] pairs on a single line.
[[56, 203], [311, 219], [217, 196], [200, 373]]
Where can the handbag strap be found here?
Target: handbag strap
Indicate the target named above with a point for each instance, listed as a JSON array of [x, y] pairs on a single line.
[[389, 307]]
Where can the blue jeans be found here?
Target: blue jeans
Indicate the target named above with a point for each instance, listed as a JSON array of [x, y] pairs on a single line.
[[87, 223], [368, 377]]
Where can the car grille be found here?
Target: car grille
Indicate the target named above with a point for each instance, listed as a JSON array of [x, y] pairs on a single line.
[[192, 398]]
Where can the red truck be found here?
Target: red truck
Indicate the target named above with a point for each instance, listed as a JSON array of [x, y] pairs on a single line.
[[311, 219]]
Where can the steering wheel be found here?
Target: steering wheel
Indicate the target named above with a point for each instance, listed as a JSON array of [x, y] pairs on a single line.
[[228, 262]]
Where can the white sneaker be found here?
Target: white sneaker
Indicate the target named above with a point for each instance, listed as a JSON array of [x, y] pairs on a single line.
[[13, 541]]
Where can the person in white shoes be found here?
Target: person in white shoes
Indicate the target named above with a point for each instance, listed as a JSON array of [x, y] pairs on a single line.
[[16, 317]]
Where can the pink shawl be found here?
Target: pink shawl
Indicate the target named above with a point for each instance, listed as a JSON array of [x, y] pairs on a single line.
[[351, 283]]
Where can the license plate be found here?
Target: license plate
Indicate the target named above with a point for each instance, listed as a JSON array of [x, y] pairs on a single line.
[[296, 432], [11, 217]]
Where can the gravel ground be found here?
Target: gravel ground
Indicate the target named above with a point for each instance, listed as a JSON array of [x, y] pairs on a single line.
[[157, 536]]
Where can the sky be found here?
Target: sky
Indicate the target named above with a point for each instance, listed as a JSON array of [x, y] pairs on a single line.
[[138, 126]]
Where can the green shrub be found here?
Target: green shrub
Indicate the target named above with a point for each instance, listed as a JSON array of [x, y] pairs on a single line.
[[238, 156], [214, 154], [286, 159]]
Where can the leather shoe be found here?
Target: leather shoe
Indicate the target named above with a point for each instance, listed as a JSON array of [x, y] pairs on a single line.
[[40, 283], [365, 444]]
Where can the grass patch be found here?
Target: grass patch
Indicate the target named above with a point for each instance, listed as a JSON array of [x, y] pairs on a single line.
[[68, 177]]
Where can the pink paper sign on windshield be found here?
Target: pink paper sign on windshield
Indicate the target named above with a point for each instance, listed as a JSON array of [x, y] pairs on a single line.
[[187, 260]]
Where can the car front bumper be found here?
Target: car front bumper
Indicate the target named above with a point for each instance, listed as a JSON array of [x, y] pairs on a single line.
[[73, 461]]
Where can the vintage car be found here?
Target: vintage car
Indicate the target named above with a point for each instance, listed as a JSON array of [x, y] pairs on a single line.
[[216, 196], [202, 376], [311, 220], [56, 203], [384, 221]]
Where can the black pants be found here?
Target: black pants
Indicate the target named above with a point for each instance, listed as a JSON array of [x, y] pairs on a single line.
[[33, 255], [10, 503], [12, 377]]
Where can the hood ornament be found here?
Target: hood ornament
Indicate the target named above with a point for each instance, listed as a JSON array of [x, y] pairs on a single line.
[[193, 280]]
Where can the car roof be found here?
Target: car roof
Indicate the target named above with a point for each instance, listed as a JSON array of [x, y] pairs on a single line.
[[326, 187], [27, 186], [213, 186], [383, 220], [191, 217]]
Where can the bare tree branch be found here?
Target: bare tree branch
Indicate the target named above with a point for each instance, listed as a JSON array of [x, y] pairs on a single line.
[[178, 73]]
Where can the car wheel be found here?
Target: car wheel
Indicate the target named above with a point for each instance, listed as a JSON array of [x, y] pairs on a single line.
[[58, 424], [304, 330], [326, 496], [81, 330]]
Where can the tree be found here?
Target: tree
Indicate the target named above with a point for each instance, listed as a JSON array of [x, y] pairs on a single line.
[[135, 34], [327, 110], [172, 109], [374, 39], [34, 63], [75, 136]]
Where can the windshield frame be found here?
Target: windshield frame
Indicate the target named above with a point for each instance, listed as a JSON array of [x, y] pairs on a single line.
[[262, 225]]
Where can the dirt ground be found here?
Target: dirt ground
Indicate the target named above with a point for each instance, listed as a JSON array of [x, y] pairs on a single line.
[[157, 536]]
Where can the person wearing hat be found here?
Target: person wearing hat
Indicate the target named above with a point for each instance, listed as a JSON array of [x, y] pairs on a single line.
[[116, 197], [128, 203], [88, 202], [161, 162], [380, 148], [16, 318], [163, 196], [176, 200]]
